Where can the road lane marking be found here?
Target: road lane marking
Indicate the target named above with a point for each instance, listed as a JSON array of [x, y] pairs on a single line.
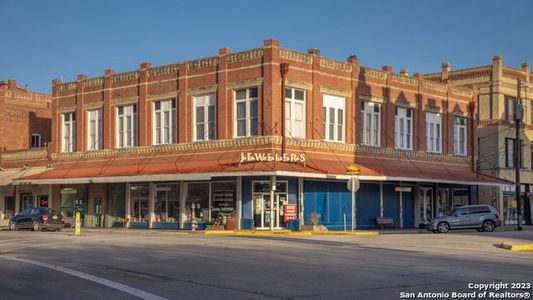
[[115, 285]]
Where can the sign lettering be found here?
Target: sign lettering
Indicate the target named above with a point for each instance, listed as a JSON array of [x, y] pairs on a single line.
[[269, 157]]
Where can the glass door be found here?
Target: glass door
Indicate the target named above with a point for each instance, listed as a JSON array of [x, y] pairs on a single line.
[[26, 201], [141, 206], [425, 206]]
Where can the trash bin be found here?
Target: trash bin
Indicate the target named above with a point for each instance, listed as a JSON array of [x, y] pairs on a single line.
[[231, 222]]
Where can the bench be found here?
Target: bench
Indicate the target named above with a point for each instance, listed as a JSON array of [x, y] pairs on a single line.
[[381, 222]]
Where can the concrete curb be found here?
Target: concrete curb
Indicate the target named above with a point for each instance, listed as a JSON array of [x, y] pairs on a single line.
[[517, 247]]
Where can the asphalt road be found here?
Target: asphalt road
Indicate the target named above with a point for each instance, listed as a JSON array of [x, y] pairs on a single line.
[[170, 265]]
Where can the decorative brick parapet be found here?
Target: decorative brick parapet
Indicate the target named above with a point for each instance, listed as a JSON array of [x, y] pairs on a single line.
[[242, 56], [163, 70], [24, 155], [121, 77], [335, 64], [203, 63], [295, 56]]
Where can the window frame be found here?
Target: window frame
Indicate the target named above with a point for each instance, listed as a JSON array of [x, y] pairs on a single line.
[[158, 129], [401, 139], [248, 119], [122, 120], [290, 119], [336, 104], [97, 144], [368, 110], [71, 145], [39, 138], [456, 138], [206, 99], [433, 137]]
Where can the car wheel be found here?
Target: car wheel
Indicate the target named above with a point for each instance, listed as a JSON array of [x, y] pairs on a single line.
[[12, 226], [480, 229], [443, 227], [489, 226], [36, 226]]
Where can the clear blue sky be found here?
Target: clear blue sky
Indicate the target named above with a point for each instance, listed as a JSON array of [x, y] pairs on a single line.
[[43, 40]]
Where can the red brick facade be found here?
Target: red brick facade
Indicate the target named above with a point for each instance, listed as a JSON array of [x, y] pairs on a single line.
[[260, 67], [23, 113]]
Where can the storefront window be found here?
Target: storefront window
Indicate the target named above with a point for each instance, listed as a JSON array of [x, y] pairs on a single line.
[[197, 202], [167, 203], [73, 198], [223, 197], [140, 199]]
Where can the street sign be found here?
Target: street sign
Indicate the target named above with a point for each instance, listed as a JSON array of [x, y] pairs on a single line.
[[77, 228], [353, 184]]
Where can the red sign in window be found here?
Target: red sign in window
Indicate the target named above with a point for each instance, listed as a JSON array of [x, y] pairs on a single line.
[[43, 201], [290, 212]]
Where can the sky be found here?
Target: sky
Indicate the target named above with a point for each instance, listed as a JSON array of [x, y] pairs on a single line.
[[44, 40]]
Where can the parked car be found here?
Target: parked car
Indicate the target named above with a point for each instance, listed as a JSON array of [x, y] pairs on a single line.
[[37, 219], [480, 217]]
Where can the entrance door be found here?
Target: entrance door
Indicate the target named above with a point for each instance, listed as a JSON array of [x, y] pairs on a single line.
[[140, 198], [264, 211], [425, 206], [97, 212], [26, 201]]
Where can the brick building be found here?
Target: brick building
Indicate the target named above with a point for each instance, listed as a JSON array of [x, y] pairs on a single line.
[[266, 134], [25, 131], [498, 93]]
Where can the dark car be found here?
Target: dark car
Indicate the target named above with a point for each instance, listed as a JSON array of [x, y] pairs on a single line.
[[37, 219], [480, 217]]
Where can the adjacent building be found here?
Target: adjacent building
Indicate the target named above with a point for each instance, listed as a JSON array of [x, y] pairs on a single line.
[[25, 132], [499, 91], [263, 137]]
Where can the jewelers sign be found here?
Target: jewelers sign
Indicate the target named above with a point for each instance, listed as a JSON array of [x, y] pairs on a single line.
[[267, 157]]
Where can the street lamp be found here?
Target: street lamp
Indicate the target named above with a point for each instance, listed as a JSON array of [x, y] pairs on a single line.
[[353, 186]]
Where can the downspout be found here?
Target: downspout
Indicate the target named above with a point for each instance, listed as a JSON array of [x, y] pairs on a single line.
[[284, 68], [473, 128]]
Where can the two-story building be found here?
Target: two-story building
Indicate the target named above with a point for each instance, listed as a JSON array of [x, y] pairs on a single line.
[[499, 90], [265, 136], [25, 131]]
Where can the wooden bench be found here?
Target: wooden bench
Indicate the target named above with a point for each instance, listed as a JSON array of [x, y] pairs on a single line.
[[381, 222]]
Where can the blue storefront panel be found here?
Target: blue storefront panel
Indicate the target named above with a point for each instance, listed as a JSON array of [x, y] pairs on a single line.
[[391, 203], [367, 205], [409, 210], [330, 200]]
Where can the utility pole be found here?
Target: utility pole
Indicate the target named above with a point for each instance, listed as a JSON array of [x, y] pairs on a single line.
[[519, 114]]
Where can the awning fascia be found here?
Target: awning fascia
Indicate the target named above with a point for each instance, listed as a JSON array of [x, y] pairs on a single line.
[[209, 176]]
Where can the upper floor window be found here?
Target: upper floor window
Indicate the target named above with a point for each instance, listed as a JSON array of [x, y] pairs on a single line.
[[433, 132], [404, 128], [36, 140], [127, 126], [510, 146], [459, 136], [333, 118], [246, 112], [164, 122], [95, 130], [204, 117], [510, 105], [295, 113], [69, 132], [371, 123]]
